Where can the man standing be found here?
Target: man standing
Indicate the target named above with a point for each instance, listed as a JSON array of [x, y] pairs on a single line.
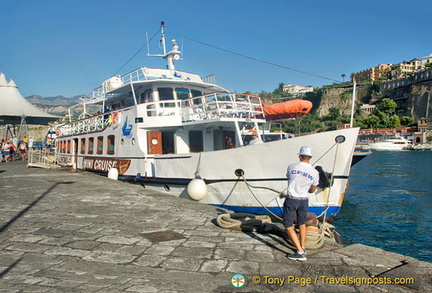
[[302, 180]]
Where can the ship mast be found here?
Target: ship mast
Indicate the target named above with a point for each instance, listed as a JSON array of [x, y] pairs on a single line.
[[172, 55]]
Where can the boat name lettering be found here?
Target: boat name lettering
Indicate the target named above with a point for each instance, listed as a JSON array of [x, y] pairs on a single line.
[[104, 165], [99, 164], [63, 160]]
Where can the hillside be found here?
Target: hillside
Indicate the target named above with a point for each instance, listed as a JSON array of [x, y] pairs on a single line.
[[53, 105], [412, 100]]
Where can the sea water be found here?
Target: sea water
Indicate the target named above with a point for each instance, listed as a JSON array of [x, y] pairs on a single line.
[[388, 203]]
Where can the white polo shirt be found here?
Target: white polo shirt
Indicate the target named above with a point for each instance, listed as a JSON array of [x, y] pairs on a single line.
[[301, 176]]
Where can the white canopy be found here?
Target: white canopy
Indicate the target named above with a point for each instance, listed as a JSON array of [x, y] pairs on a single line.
[[13, 106]]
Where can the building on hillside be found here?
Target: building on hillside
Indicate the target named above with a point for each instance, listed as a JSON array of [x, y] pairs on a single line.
[[405, 68], [427, 59], [297, 89], [374, 73], [367, 109], [392, 71]]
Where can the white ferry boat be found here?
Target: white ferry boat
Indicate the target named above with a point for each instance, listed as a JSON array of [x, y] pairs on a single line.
[[173, 132], [396, 143]]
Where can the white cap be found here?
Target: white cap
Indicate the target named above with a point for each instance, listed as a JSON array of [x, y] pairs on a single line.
[[305, 151]]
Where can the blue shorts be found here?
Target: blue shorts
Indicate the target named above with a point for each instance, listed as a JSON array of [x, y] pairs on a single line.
[[294, 208]]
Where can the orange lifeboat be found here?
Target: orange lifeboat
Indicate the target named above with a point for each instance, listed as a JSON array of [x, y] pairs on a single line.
[[286, 110]]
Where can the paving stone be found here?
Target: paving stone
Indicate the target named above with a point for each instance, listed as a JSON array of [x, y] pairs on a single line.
[[81, 232], [106, 257]]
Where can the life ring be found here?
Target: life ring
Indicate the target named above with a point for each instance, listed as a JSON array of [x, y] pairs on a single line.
[[114, 118], [117, 119], [57, 131]]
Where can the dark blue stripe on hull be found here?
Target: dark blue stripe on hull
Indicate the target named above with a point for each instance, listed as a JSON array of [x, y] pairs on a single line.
[[331, 211], [185, 181]]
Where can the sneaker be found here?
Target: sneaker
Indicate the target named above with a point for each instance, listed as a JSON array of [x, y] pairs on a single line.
[[298, 256]]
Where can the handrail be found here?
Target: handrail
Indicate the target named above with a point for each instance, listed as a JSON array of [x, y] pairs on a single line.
[[210, 106]]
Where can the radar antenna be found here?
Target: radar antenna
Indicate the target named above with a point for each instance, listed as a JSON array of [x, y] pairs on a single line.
[[172, 55]]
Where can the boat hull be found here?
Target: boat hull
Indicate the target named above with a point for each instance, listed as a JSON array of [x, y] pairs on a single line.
[[263, 166]]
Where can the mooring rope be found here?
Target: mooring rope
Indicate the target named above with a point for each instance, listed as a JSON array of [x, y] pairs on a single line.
[[261, 223], [314, 239]]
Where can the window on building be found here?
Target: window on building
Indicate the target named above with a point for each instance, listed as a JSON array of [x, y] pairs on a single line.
[[100, 144], [196, 93], [91, 145], [111, 145], [182, 94], [196, 141], [83, 145], [166, 94]]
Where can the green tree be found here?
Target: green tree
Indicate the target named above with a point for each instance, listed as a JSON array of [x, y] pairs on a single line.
[[279, 90], [372, 121], [387, 105], [334, 114], [383, 119], [407, 121], [394, 121]]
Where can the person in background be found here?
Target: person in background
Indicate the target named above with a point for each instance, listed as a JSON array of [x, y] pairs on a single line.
[[1, 150], [255, 139], [6, 150], [22, 149], [302, 180], [30, 143], [15, 141]]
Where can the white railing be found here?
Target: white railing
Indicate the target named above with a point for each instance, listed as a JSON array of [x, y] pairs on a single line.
[[43, 158], [211, 106], [222, 105]]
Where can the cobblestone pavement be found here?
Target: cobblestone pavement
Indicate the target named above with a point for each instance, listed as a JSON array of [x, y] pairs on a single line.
[[63, 231]]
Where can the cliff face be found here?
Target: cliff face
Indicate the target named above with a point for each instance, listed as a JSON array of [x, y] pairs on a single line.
[[341, 98], [412, 100]]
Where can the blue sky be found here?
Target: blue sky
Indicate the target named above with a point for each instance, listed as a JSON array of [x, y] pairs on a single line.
[[68, 47]]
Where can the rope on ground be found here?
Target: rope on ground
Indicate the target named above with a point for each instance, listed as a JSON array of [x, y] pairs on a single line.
[[242, 221], [263, 224]]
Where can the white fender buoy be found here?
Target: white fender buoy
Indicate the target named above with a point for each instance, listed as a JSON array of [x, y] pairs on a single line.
[[197, 189], [113, 173]]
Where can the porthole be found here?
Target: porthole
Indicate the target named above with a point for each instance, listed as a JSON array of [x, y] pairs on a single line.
[[340, 139]]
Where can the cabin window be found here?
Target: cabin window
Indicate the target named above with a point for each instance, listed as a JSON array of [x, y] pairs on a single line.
[[146, 96], [196, 141], [83, 145], [100, 144], [68, 146], [91, 145], [168, 142], [111, 141], [166, 94], [182, 94], [196, 93]]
